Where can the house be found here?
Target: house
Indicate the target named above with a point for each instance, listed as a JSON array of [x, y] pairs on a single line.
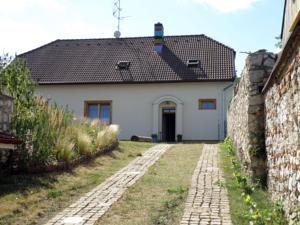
[[161, 86], [291, 17]]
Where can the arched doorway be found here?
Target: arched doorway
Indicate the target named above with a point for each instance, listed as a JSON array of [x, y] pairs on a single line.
[[167, 118], [167, 126]]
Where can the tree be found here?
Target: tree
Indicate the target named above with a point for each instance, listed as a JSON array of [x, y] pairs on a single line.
[[278, 44], [15, 81]]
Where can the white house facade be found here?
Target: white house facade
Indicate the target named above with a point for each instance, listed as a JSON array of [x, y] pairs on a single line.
[[138, 109], [169, 87]]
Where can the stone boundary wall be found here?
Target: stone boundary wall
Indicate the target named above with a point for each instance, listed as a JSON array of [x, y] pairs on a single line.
[[282, 115], [6, 109], [246, 113]]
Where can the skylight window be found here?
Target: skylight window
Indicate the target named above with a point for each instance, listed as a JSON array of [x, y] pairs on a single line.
[[193, 63], [123, 65]]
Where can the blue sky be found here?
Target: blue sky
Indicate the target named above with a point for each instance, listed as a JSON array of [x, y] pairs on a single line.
[[245, 25]]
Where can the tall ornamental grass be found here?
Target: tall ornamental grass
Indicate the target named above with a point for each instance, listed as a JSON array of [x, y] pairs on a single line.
[[107, 136], [56, 136], [48, 127]]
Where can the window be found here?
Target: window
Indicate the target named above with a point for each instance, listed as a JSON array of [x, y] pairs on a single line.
[[123, 65], [193, 63], [207, 104], [169, 110], [101, 110]]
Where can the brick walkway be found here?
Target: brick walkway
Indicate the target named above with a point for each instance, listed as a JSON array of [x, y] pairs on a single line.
[[88, 209], [207, 202]]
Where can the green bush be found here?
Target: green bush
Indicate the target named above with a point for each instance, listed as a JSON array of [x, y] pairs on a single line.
[[49, 125], [55, 134], [255, 215]]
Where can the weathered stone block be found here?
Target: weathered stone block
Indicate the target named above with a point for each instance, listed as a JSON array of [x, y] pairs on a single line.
[[256, 75], [245, 115], [256, 100], [256, 58], [269, 62], [254, 109], [6, 109]]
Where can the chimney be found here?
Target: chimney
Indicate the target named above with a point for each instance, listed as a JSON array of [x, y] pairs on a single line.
[[158, 38]]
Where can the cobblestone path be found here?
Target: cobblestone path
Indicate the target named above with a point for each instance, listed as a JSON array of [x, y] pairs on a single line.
[[207, 202], [88, 209]]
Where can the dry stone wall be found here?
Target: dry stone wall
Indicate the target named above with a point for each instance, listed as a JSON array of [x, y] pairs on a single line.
[[6, 107], [246, 112], [264, 121], [282, 109]]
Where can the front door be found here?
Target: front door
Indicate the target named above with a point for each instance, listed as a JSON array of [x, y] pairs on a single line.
[[168, 124]]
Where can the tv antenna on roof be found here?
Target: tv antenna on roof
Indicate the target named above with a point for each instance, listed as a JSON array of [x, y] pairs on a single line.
[[117, 14]]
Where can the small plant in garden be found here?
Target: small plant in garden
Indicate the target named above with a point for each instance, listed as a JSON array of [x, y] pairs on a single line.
[[177, 190], [107, 136], [170, 206], [54, 194], [64, 150], [273, 215], [83, 142]]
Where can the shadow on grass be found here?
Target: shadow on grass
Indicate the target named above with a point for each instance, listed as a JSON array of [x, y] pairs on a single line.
[[24, 182]]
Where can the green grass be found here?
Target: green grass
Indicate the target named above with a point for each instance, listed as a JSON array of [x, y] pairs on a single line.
[[237, 205], [159, 196], [33, 199]]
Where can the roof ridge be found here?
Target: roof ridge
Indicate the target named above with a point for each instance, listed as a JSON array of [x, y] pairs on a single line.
[[218, 42], [128, 38], [122, 38], [139, 37]]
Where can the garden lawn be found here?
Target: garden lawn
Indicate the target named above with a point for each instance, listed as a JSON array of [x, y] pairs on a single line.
[[34, 199], [238, 207], [159, 196]]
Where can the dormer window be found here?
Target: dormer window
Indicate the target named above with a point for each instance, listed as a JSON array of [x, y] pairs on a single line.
[[123, 65], [193, 63]]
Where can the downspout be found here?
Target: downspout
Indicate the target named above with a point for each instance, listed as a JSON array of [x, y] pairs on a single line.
[[224, 119]]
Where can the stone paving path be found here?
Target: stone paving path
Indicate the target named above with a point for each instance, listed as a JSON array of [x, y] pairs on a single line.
[[88, 209], [207, 202]]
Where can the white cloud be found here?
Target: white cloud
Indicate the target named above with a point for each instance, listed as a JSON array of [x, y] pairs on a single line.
[[227, 6]]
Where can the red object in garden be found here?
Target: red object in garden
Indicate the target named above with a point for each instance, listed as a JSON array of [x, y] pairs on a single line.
[[6, 138]]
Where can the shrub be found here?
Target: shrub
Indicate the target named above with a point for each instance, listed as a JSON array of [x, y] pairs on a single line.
[[101, 139], [113, 132], [64, 150], [55, 134], [83, 142], [107, 136], [48, 126]]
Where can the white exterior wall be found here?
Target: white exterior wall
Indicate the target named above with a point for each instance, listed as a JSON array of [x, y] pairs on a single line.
[[133, 105]]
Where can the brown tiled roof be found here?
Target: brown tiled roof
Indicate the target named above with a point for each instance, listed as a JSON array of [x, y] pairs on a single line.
[[94, 60]]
